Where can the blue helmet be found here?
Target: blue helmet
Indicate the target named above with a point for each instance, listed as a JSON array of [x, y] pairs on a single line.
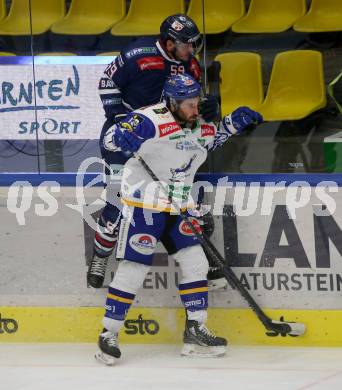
[[181, 28], [181, 86]]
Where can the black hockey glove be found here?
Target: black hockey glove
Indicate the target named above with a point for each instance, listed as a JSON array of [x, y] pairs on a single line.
[[209, 108], [207, 224]]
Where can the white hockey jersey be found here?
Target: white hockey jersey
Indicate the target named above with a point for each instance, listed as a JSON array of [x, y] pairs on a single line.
[[173, 153]]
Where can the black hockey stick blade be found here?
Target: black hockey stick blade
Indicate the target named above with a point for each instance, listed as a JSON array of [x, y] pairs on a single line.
[[284, 328], [273, 327]]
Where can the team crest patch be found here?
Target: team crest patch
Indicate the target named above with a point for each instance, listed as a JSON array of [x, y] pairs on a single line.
[[143, 243], [132, 122], [179, 174]]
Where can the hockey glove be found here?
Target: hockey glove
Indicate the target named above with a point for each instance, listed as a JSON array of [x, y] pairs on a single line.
[[241, 119], [207, 223], [209, 108], [127, 140]]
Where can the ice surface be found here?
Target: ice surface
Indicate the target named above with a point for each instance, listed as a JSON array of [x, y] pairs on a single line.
[[159, 367]]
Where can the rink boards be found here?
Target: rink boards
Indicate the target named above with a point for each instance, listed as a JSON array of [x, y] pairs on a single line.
[[163, 325], [285, 248]]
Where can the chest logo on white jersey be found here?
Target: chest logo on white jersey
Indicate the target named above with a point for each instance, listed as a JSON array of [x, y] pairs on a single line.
[[168, 128], [179, 174]]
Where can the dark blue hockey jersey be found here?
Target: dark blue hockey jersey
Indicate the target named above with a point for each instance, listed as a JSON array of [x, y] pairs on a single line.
[[136, 77]]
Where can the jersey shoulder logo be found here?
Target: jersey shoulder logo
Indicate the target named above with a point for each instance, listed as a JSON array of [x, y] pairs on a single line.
[[133, 122], [140, 50]]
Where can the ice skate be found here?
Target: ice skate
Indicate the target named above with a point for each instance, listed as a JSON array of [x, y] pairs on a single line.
[[97, 271], [200, 342], [109, 352]]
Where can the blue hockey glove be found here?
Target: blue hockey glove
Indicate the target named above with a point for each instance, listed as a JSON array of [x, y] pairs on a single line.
[[209, 108], [240, 119], [127, 140]]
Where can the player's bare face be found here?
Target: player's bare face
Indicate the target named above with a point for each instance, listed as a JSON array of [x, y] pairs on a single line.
[[188, 110]]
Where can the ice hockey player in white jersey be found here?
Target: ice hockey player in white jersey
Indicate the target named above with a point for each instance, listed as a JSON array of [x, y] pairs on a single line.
[[174, 141], [135, 79]]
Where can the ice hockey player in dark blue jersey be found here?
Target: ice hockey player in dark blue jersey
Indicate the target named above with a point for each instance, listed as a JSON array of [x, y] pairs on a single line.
[[133, 80], [136, 77]]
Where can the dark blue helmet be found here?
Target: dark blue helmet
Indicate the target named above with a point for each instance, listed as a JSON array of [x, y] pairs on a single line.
[[183, 29], [181, 86]]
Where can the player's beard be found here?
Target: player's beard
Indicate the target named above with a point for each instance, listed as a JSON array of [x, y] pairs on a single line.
[[183, 119], [184, 58]]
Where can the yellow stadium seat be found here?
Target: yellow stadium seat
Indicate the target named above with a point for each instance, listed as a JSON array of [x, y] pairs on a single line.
[[219, 14], [323, 15], [296, 87], [109, 53], [44, 14], [6, 54], [144, 17], [2, 9], [269, 16], [90, 17], [240, 81], [56, 54]]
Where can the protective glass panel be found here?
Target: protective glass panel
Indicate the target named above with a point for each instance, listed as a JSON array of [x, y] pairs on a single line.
[[19, 142], [56, 125]]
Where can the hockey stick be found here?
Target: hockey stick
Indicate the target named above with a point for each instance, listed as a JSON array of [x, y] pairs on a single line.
[[273, 327], [204, 48]]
